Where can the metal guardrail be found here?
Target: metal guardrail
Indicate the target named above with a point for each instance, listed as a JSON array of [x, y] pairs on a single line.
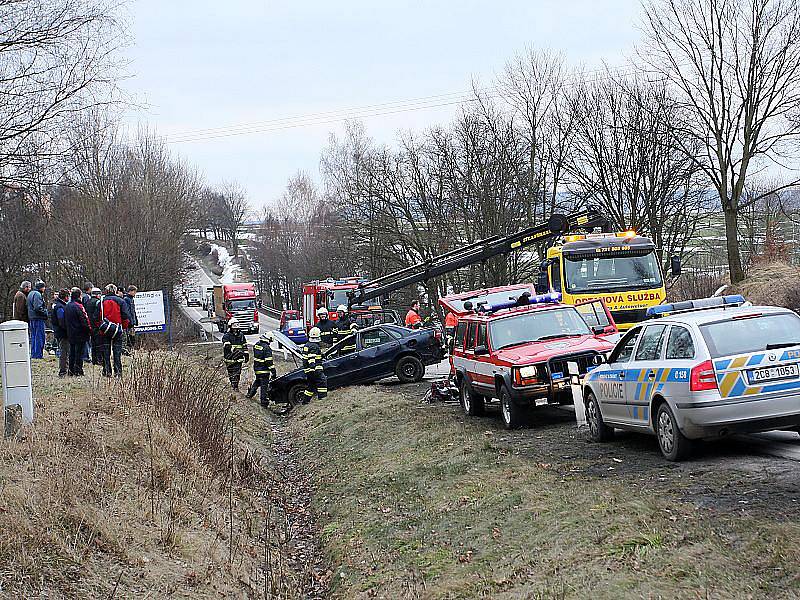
[[273, 313]]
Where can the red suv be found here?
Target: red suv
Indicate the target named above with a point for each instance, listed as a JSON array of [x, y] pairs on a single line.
[[513, 346]]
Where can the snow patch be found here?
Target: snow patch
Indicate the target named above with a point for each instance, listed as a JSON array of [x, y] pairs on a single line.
[[230, 272]]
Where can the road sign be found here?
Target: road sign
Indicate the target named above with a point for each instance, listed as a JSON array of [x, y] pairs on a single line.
[[150, 312]]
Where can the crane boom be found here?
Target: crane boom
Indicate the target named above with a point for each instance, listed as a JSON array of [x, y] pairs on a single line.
[[482, 250]]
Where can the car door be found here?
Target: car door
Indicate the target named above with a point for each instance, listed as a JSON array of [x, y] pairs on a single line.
[[377, 352], [646, 373], [610, 388], [340, 369]]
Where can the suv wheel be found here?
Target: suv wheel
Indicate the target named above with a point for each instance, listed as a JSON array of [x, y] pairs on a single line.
[[674, 445], [409, 369], [472, 403], [513, 414], [598, 430]]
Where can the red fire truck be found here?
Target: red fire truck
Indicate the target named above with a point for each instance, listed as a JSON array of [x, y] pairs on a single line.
[[330, 293]]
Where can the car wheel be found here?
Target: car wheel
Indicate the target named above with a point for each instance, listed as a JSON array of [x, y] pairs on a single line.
[[472, 403], [598, 430], [296, 395], [513, 414], [674, 445], [409, 369]]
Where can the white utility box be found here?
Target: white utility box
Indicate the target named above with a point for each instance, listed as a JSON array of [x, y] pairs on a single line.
[[15, 367]]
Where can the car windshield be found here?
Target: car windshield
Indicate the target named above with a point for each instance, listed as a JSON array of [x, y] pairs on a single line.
[[294, 324], [588, 273], [242, 304], [754, 334], [536, 325], [491, 298]]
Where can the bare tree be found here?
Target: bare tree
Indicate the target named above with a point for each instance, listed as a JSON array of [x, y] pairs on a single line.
[[735, 66], [233, 211]]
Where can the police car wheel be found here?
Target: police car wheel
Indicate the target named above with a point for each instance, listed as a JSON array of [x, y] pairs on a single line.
[[473, 404], [674, 445], [598, 430], [513, 414], [409, 369]]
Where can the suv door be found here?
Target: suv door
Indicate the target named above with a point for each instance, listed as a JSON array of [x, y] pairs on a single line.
[[647, 373], [610, 389], [597, 317]]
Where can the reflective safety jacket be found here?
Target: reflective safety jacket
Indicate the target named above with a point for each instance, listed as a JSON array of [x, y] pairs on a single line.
[[234, 348], [312, 358], [327, 332], [413, 320], [262, 359]]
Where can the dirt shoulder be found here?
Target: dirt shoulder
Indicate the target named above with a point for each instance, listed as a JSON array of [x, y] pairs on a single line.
[[416, 500]]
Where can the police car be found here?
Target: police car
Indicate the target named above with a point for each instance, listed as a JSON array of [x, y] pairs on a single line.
[[701, 369]]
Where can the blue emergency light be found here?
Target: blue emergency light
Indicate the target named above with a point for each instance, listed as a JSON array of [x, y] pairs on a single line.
[[699, 304], [523, 300]]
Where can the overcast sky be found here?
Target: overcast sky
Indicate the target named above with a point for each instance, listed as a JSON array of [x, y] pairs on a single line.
[[202, 64]]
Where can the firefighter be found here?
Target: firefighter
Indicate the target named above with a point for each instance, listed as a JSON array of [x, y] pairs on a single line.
[[450, 322], [327, 329], [343, 322], [263, 367], [234, 352], [316, 382], [413, 318]]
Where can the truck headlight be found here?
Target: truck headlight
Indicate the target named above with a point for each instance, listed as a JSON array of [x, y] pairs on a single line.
[[528, 372]]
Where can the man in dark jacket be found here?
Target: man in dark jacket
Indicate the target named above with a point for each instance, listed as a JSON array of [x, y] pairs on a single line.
[[37, 317], [327, 329], [94, 309], [115, 311], [129, 298], [85, 297], [263, 367], [234, 352], [60, 330], [19, 309], [78, 332]]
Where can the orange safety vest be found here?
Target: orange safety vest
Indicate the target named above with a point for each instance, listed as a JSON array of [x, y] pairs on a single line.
[[412, 318], [450, 320]]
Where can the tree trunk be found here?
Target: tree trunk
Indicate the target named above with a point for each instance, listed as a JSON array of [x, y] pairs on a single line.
[[732, 243]]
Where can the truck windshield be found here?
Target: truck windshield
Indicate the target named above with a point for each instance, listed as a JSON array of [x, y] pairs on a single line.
[[754, 334], [242, 304], [536, 326], [586, 273]]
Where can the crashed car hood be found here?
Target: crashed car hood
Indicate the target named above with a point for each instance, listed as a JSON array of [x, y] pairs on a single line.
[[283, 341], [534, 352]]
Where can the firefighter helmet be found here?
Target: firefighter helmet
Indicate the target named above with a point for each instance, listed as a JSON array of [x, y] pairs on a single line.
[[341, 308], [322, 312], [233, 323], [266, 336], [314, 334]]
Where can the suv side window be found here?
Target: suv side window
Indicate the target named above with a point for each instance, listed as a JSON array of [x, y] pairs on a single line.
[[481, 341], [679, 343], [624, 349], [652, 341], [471, 336], [461, 332]]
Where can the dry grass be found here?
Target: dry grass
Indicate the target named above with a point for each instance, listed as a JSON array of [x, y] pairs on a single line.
[[774, 283], [135, 488]]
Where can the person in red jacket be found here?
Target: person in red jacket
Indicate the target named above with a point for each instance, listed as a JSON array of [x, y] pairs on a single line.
[[413, 319], [450, 322], [114, 310]]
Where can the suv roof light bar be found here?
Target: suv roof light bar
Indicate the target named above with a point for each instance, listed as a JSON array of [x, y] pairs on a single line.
[[699, 304], [524, 299]]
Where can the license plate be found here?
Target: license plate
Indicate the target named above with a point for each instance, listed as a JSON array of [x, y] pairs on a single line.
[[773, 373]]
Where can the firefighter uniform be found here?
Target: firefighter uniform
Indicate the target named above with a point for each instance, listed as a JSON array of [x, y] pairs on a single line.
[[316, 382], [263, 368], [327, 332], [234, 353]]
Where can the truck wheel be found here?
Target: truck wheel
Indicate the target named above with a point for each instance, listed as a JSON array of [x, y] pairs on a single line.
[[472, 403], [513, 414], [409, 369], [674, 445], [598, 430], [296, 395]]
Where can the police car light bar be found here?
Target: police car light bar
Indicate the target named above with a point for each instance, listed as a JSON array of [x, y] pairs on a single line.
[[699, 304], [551, 298]]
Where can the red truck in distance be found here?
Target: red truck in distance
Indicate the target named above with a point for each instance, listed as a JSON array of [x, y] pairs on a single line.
[[235, 300]]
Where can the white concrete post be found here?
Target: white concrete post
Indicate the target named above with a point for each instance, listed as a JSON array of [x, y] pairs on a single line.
[[15, 367], [577, 393]]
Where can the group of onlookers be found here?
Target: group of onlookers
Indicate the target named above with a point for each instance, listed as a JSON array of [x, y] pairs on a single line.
[[88, 324]]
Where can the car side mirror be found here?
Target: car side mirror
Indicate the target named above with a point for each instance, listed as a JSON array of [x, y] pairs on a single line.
[[675, 265], [542, 283], [481, 351], [598, 359]]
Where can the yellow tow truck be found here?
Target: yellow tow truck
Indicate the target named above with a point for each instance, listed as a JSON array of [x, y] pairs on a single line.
[[621, 268]]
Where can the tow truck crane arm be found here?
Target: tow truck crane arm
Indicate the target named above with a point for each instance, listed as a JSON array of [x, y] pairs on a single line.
[[482, 250]]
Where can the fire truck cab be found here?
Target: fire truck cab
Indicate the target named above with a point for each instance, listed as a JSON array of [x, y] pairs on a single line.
[[329, 293], [511, 347]]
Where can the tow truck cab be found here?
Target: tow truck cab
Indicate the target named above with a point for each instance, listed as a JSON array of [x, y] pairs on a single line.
[[512, 346]]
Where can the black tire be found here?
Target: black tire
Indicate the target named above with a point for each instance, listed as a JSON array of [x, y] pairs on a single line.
[[473, 404], [674, 445], [295, 395], [409, 369], [598, 430], [513, 415]]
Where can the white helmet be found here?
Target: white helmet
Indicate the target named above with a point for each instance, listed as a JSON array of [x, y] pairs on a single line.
[[314, 334], [266, 336], [354, 327], [322, 312], [341, 308], [233, 323]]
